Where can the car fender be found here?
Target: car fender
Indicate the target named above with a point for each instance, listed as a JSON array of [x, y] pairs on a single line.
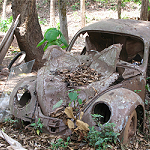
[[116, 106], [23, 99]]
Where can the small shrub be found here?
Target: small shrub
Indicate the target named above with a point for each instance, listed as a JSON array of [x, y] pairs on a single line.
[[37, 126], [60, 143], [101, 139], [5, 24], [75, 6], [43, 22], [73, 95], [9, 120]]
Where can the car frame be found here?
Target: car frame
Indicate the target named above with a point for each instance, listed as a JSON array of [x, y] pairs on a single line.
[[122, 47]]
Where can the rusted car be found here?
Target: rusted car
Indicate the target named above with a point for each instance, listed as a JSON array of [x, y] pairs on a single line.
[[118, 51]]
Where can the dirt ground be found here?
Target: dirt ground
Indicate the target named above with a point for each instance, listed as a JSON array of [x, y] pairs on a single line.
[[26, 135]]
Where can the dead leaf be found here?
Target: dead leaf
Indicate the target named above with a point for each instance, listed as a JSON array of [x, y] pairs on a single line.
[[84, 75], [137, 145], [82, 125], [69, 112], [81, 115], [70, 148], [70, 124]]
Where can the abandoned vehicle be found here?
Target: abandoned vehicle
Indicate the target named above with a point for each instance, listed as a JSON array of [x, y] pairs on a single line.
[[113, 62]]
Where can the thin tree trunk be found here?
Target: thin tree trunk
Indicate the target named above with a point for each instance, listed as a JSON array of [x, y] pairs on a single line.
[[148, 15], [119, 9], [144, 10], [4, 10], [149, 12], [29, 32], [52, 13], [82, 9], [63, 18]]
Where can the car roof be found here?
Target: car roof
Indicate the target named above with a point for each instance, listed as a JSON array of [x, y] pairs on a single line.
[[124, 26]]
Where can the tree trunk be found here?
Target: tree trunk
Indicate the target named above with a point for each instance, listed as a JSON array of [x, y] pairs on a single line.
[[82, 9], [29, 32], [149, 12], [52, 13], [4, 10], [119, 9], [63, 18], [148, 15], [144, 10]]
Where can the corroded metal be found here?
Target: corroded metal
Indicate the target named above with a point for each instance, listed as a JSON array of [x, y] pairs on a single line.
[[119, 92], [23, 99], [121, 102]]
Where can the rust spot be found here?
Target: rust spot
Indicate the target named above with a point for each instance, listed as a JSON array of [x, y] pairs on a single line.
[[111, 93]]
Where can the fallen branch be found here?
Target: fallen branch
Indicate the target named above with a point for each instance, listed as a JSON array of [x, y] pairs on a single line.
[[13, 143]]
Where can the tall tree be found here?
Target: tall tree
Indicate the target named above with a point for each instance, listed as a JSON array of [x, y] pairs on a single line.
[[149, 15], [149, 11], [63, 18], [119, 9], [29, 32], [52, 13], [4, 10], [82, 9], [144, 10]]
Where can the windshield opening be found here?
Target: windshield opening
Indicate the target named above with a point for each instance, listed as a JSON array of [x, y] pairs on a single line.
[[132, 47]]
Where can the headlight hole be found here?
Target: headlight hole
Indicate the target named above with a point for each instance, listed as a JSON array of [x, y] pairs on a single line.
[[22, 98], [103, 110]]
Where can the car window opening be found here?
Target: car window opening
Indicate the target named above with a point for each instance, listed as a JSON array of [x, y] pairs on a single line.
[[132, 48]]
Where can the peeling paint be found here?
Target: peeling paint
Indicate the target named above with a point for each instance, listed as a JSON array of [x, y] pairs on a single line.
[[112, 96]]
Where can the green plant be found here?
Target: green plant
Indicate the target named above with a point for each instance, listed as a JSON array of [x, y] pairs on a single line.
[[58, 26], [147, 85], [37, 126], [87, 3], [43, 22], [58, 104], [102, 1], [73, 95], [53, 37], [87, 19], [113, 8], [146, 102], [37, 6], [9, 120], [97, 118], [137, 91], [75, 6], [60, 143], [123, 5], [125, 17], [5, 24], [101, 139]]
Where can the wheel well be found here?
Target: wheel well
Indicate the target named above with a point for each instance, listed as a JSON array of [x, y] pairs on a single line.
[[140, 117]]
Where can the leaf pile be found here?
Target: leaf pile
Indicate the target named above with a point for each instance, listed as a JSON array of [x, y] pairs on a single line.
[[83, 75]]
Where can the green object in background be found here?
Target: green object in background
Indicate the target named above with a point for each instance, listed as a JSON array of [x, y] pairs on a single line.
[[53, 37]]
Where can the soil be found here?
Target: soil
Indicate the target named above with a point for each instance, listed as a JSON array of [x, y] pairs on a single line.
[[27, 135]]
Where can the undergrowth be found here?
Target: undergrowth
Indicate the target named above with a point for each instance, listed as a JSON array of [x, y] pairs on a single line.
[[5, 24]]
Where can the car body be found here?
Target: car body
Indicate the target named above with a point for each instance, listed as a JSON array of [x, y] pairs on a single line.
[[119, 51]]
